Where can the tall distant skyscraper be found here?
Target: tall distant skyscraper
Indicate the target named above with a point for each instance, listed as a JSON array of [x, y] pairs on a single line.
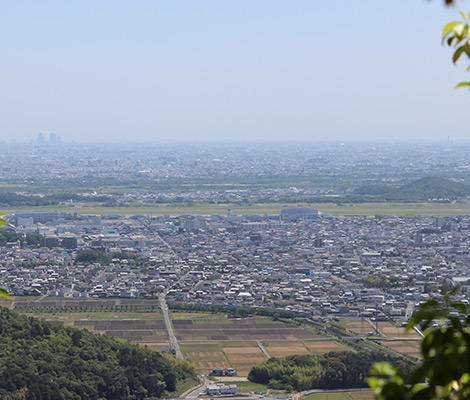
[[40, 138]]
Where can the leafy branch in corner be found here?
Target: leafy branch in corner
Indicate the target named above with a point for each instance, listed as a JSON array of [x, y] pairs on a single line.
[[445, 348], [456, 34]]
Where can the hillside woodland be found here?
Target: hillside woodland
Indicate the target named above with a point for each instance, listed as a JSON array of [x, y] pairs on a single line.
[[39, 360]]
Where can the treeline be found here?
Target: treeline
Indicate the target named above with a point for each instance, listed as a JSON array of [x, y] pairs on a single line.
[[234, 310], [380, 281], [98, 256], [39, 360], [13, 199], [431, 187], [334, 370], [19, 200], [31, 239]]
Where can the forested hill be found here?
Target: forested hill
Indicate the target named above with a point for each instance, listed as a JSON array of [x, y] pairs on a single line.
[[424, 189], [334, 370], [39, 360]]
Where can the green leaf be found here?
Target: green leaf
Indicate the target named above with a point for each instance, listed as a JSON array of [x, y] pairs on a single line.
[[460, 306], [457, 54], [463, 15], [449, 28], [462, 84], [4, 293]]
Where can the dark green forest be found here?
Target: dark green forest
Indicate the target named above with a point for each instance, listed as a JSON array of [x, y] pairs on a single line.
[[42, 361], [334, 370]]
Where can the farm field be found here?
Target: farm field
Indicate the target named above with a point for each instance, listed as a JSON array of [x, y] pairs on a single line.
[[247, 386], [357, 326], [396, 332], [209, 355], [324, 346], [205, 356], [138, 320], [390, 209], [243, 358], [193, 316], [404, 347], [238, 330], [284, 349], [356, 395], [209, 340]]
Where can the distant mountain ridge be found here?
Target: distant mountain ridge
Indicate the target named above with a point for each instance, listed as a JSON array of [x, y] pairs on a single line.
[[424, 189]]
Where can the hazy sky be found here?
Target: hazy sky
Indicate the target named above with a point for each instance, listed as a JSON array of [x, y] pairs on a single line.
[[229, 69]]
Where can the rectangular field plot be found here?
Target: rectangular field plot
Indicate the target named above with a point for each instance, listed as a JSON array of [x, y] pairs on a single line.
[[408, 348], [393, 331], [324, 346], [356, 395], [131, 329], [206, 356], [189, 316], [362, 395], [239, 330], [358, 327], [243, 362], [328, 396], [140, 326], [284, 349]]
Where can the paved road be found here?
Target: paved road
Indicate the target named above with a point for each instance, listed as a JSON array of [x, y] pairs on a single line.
[[410, 308], [169, 327], [263, 349]]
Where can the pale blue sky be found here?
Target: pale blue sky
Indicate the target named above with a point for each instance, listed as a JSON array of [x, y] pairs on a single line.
[[229, 69]]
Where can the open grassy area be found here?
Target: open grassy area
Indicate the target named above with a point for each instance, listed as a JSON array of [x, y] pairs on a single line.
[[322, 347], [407, 348], [225, 321], [396, 332], [392, 209], [247, 387], [357, 326], [284, 349], [191, 316], [187, 384], [356, 395], [327, 396]]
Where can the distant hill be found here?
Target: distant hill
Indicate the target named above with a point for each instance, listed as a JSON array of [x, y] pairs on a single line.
[[39, 360], [424, 189]]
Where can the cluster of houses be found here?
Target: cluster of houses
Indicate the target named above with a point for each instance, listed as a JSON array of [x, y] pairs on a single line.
[[318, 266], [220, 389]]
